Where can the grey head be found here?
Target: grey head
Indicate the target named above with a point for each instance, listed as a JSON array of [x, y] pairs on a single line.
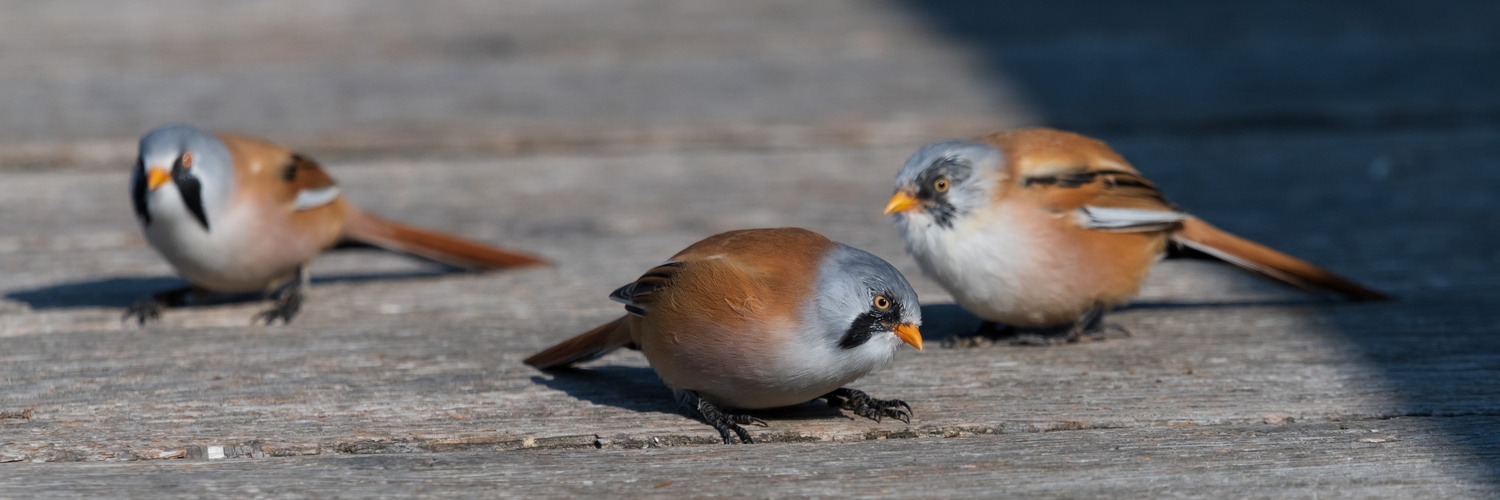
[[944, 181], [862, 303], [181, 171]]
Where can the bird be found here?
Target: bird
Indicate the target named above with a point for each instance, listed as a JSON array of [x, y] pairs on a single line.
[[1039, 231], [760, 318], [239, 214]]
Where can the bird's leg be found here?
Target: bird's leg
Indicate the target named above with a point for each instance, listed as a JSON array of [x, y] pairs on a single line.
[[150, 309], [986, 334], [287, 299], [993, 330], [722, 422], [1089, 327], [866, 406]]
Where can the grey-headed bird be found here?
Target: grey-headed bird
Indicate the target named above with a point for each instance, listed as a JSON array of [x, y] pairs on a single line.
[[236, 214], [1042, 230], [761, 318]]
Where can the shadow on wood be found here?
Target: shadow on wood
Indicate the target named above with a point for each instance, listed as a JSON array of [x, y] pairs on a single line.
[[638, 389], [1132, 73], [630, 387], [123, 291]]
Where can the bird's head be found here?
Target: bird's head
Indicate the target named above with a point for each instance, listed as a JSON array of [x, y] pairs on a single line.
[[181, 171], [865, 305], [943, 182]]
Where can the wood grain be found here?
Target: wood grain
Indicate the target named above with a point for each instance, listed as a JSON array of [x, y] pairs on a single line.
[[605, 137]]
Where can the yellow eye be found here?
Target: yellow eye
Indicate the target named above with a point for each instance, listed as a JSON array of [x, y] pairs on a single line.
[[187, 160], [941, 185], [882, 303]]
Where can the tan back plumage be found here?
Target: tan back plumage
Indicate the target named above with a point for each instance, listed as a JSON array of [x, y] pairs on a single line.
[[721, 284], [277, 176], [1064, 171]]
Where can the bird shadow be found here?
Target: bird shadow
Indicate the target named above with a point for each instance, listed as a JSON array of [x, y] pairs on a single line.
[[125, 291], [947, 322], [638, 389]]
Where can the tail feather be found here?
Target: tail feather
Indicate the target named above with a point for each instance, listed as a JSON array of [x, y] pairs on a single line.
[[592, 344], [1198, 235], [361, 227]]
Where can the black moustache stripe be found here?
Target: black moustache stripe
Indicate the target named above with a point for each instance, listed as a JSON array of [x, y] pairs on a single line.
[[138, 191], [192, 192], [943, 213], [869, 324]]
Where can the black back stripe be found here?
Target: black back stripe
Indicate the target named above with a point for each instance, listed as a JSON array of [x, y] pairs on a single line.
[[1112, 179]]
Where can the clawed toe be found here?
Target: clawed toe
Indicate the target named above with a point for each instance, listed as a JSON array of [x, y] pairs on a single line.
[[143, 312], [728, 425], [749, 420], [868, 407], [287, 306]]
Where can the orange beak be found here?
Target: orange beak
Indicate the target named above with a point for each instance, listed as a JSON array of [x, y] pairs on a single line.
[[908, 333], [901, 202], [155, 177]]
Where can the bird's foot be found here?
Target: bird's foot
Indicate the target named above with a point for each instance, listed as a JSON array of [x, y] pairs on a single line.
[[1067, 335], [868, 407], [1088, 328], [287, 302], [143, 312], [150, 310], [985, 335], [726, 423]]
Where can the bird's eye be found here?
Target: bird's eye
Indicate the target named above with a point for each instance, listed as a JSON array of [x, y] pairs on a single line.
[[187, 160], [941, 185], [882, 303]]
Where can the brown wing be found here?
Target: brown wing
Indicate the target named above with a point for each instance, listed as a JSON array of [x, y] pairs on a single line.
[[272, 171], [304, 174], [1068, 172], [639, 294], [1073, 172]]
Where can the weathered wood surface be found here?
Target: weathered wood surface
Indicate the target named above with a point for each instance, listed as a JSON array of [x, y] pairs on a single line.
[[608, 136], [1388, 458]]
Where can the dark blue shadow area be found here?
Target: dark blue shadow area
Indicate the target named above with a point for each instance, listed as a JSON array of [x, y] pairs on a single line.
[[122, 292], [1192, 67], [1360, 135], [639, 389], [629, 387]]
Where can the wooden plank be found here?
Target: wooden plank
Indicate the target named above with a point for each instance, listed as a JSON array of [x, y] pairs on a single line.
[[433, 362], [1398, 457], [609, 136], [494, 78]]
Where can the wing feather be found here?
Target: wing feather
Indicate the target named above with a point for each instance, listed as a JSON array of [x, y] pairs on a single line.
[[639, 294], [308, 185], [1107, 200]]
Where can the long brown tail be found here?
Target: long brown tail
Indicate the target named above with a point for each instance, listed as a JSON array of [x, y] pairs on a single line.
[[592, 344], [452, 250], [1252, 256]]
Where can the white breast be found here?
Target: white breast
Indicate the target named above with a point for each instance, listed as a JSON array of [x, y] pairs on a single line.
[[998, 264], [791, 373], [213, 260]]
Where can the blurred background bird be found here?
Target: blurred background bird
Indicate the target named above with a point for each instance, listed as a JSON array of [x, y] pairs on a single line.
[[235, 213], [1043, 230]]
